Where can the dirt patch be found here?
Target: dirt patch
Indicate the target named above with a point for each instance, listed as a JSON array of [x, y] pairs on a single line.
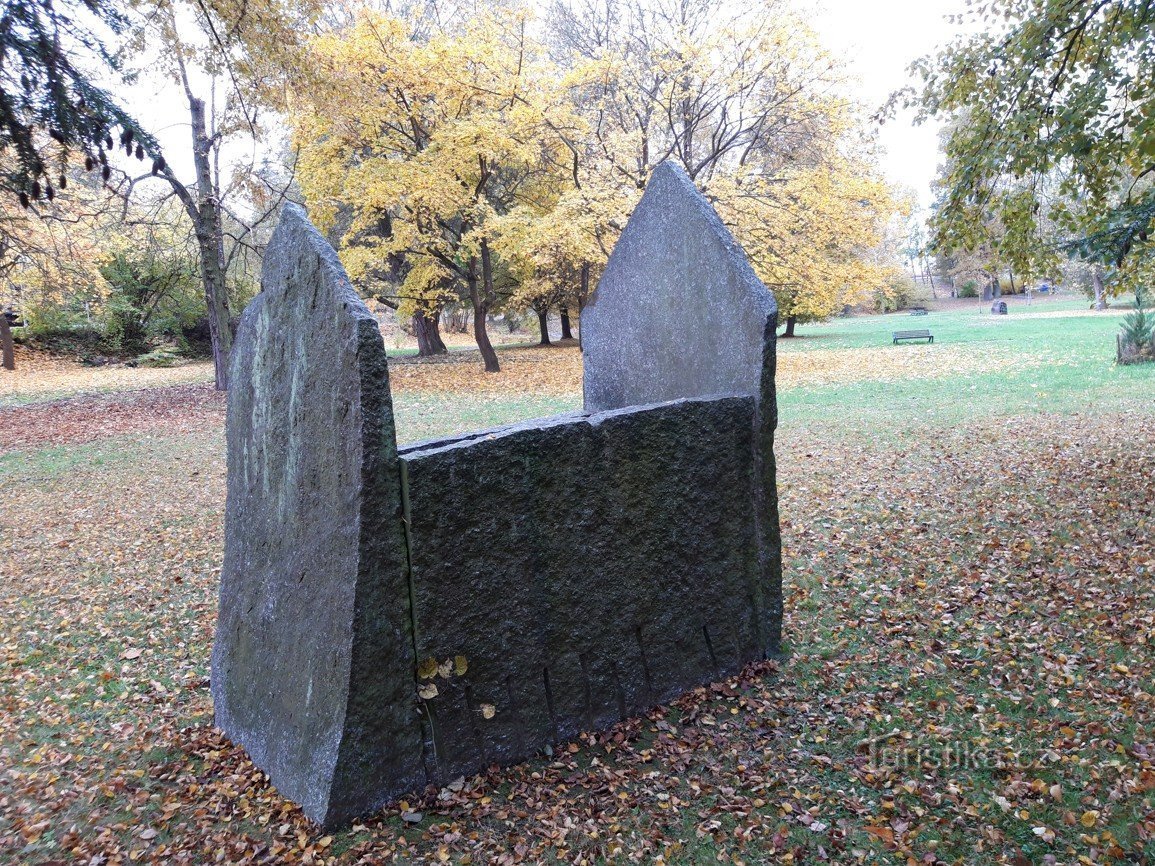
[[169, 411], [41, 376]]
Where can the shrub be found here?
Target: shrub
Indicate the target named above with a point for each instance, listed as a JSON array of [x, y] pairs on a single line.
[[152, 297], [896, 294], [1137, 337], [969, 289], [163, 356]]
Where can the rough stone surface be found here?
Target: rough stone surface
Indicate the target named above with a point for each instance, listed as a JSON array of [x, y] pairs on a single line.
[[679, 312], [529, 582], [585, 567], [313, 662]]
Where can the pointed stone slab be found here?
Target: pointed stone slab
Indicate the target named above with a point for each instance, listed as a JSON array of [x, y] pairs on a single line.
[[679, 312], [313, 662]]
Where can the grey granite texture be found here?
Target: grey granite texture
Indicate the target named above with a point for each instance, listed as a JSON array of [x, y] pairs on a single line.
[[312, 668], [678, 312], [585, 567]]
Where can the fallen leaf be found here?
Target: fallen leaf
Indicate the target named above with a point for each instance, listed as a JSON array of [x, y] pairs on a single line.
[[883, 833]]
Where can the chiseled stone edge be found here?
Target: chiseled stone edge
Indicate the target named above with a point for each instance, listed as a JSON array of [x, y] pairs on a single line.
[[375, 753]]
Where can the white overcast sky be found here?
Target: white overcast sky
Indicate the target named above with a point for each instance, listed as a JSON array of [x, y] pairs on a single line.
[[876, 39]]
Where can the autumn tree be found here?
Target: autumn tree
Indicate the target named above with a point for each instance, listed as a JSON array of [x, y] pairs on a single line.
[[51, 249], [429, 142], [747, 101], [52, 112], [49, 109], [55, 257], [48, 250], [558, 252], [1047, 92], [450, 153], [231, 60]]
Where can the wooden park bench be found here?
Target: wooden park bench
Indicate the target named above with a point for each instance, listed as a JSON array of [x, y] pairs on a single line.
[[912, 335], [919, 311]]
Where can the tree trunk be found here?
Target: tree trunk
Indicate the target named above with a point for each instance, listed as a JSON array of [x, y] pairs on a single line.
[[566, 333], [1011, 275], [425, 329], [480, 298], [210, 241], [791, 321], [543, 326], [6, 347], [1100, 292]]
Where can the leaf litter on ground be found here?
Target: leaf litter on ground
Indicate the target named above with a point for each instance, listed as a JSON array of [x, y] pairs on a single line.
[[968, 674]]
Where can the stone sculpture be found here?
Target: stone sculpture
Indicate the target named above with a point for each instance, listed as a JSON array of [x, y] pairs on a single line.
[[394, 618]]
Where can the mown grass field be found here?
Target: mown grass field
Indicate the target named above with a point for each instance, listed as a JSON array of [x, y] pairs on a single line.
[[970, 624]]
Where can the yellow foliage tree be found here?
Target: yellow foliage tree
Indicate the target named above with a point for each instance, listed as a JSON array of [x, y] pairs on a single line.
[[427, 144], [444, 156], [811, 234], [557, 254], [50, 252], [748, 102]]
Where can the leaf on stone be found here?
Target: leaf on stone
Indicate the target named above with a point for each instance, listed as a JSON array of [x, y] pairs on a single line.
[[488, 711], [427, 669], [445, 669], [427, 692], [460, 665]]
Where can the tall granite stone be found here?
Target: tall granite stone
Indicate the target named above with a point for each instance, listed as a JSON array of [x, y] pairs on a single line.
[[312, 668], [678, 312]]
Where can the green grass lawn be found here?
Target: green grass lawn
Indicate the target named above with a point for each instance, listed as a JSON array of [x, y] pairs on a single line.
[[1025, 362], [970, 623]]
